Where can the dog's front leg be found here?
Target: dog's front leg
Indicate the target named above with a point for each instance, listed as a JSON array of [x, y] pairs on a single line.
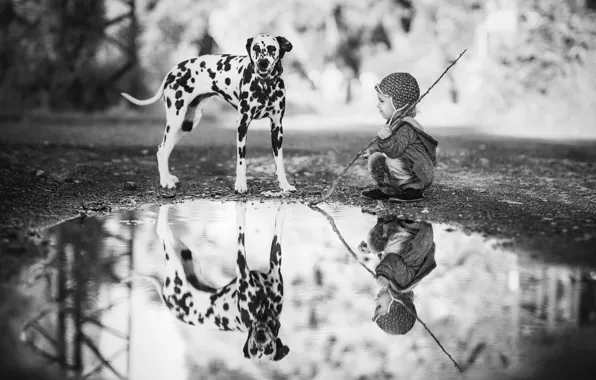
[[243, 121], [278, 155], [277, 286], [242, 271], [275, 252]]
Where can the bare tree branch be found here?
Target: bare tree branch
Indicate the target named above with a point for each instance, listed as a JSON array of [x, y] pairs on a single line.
[[117, 19]]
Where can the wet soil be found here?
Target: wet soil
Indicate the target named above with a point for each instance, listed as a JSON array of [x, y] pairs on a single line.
[[539, 195]]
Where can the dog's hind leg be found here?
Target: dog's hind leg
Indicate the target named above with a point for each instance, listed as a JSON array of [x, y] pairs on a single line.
[[189, 271], [175, 249], [173, 134], [196, 108]]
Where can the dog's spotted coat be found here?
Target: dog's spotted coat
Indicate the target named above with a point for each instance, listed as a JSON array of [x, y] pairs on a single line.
[[251, 84], [251, 302]]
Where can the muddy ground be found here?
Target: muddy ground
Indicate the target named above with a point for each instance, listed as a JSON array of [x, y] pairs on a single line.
[[539, 195]]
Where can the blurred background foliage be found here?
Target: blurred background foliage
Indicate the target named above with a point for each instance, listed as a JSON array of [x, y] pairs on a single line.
[[530, 61]]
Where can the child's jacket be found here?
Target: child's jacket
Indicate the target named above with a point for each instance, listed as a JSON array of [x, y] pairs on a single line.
[[410, 143], [408, 262]]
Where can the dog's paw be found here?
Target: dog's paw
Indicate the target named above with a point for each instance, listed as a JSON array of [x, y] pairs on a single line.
[[240, 187], [169, 181], [287, 187]]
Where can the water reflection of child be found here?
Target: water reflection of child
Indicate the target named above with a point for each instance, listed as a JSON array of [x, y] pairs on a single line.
[[403, 165], [407, 249]]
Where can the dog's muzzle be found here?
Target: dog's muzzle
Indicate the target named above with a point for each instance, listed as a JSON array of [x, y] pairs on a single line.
[[263, 66], [261, 337]]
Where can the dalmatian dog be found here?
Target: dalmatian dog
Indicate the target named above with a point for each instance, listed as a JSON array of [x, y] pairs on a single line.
[[251, 302], [252, 84]]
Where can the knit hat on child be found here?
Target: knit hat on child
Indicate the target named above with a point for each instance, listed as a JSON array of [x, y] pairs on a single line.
[[401, 316], [401, 87]]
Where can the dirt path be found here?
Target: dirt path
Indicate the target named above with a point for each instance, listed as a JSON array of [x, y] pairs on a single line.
[[538, 194]]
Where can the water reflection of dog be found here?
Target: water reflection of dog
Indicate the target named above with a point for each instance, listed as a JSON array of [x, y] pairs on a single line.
[[406, 250], [251, 302]]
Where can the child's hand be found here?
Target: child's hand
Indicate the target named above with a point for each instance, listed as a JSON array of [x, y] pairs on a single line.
[[366, 154], [363, 247], [384, 132]]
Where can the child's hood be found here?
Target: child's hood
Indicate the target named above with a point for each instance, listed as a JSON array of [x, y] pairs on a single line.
[[430, 143]]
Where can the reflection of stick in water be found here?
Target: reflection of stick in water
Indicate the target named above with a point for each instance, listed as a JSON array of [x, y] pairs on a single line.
[[336, 230], [430, 332], [330, 219]]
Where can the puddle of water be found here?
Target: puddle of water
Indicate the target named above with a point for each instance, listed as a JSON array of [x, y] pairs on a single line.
[[492, 310]]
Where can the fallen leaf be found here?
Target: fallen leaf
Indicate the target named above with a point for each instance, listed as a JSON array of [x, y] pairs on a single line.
[[130, 185], [270, 193], [510, 202]]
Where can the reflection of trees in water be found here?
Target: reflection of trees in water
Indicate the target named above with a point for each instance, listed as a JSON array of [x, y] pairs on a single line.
[[82, 289], [482, 330], [555, 298], [587, 308]]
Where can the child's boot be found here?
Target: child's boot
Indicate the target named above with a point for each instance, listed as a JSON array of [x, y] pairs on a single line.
[[375, 194], [408, 195]]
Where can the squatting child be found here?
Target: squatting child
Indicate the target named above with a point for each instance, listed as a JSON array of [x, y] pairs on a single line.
[[407, 252], [403, 164]]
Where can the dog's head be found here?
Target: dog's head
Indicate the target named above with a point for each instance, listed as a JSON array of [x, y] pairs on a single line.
[[262, 342], [265, 52]]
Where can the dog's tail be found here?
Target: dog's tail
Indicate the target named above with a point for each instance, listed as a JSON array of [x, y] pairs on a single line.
[[151, 278], [146, 102]]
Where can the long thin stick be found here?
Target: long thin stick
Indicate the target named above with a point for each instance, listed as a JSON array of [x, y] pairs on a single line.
[[431, 334], [404, 114], [336, 230]]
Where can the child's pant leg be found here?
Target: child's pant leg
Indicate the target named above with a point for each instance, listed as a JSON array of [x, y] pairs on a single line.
[[390, 174]]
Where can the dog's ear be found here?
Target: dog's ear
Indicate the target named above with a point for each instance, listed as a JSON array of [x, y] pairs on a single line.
[[284, 45], [281, 350], [245, 349], [248, 45]]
